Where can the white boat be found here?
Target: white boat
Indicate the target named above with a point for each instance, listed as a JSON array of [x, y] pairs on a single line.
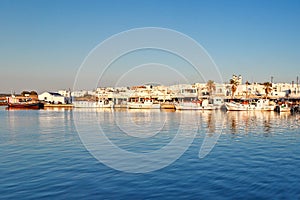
[[265, 104], [93, 104], [188, 106], [282, 108], [218, 102], [261, 104], [146, 104], [195, 105], [167, 105], [120, 102], [208, 106], [235, 106]]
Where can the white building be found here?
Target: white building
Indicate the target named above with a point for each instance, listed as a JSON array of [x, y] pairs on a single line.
[[52, 97], [66, 94]]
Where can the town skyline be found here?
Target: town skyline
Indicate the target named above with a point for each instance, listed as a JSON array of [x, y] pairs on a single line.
[[235, 80]]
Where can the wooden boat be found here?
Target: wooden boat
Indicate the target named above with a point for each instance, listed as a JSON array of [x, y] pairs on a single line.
[[295, 109], [217, 102], [195, 105], [23, 103], [146, 104], [167, 105], [235, 106], [188, 106], [264, 105], [93, 104], [282, 108], [3, 103], [261, 104], [26, 105]]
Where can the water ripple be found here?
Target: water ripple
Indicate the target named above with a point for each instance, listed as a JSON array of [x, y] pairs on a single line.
[[257, 156]]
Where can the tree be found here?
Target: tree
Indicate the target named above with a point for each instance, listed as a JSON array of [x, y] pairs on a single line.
[[211, 86], [247, 83], [268, 88], [233, 89], [33, 93], [234, 83]]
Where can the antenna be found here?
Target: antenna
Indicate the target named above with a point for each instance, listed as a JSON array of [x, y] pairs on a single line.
[[297, 90], [272, 79]]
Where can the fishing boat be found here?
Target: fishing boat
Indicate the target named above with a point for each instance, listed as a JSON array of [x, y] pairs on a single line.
[[142, 103], [23, 103], [120, 101], [3, 102], [192, 105], [217, 102], [167, 105], [195, 105], [284, 107], [245, 105], [236, 106], [295, 109], [207, 105], [265, 105], [93, 104], [187, 98]]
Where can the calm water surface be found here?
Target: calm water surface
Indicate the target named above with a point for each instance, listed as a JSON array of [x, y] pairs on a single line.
[[256, 156]]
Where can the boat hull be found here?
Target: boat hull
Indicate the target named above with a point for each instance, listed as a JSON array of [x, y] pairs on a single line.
[[188, 106], [282, 108], [87, 104], [136, 105], [233, 106], [238, 106], [167, 106], [26, 105], [194, 106]]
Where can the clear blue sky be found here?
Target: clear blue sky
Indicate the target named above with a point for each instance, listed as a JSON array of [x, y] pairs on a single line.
[[43, 43]]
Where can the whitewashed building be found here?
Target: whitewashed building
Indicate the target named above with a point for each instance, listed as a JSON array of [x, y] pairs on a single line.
[[66, 94], [52, 97], [79, 93]]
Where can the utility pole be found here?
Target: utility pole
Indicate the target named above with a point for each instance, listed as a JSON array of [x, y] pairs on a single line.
[[297, 90], [293, 87], [272, 79]]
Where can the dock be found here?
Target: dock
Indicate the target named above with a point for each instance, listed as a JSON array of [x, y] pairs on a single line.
[[58, 105]]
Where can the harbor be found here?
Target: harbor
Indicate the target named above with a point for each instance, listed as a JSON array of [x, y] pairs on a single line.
[[232, 96], [154, 100]]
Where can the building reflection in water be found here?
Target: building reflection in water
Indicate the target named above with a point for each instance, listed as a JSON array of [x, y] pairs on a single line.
[[148, 123]]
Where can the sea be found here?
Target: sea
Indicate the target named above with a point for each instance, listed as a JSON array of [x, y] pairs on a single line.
[[148, 154]]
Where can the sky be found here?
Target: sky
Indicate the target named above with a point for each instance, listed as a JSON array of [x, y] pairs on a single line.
[[44, 43]]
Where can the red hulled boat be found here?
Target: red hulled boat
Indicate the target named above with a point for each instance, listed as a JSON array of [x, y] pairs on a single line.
[[14, 102]]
